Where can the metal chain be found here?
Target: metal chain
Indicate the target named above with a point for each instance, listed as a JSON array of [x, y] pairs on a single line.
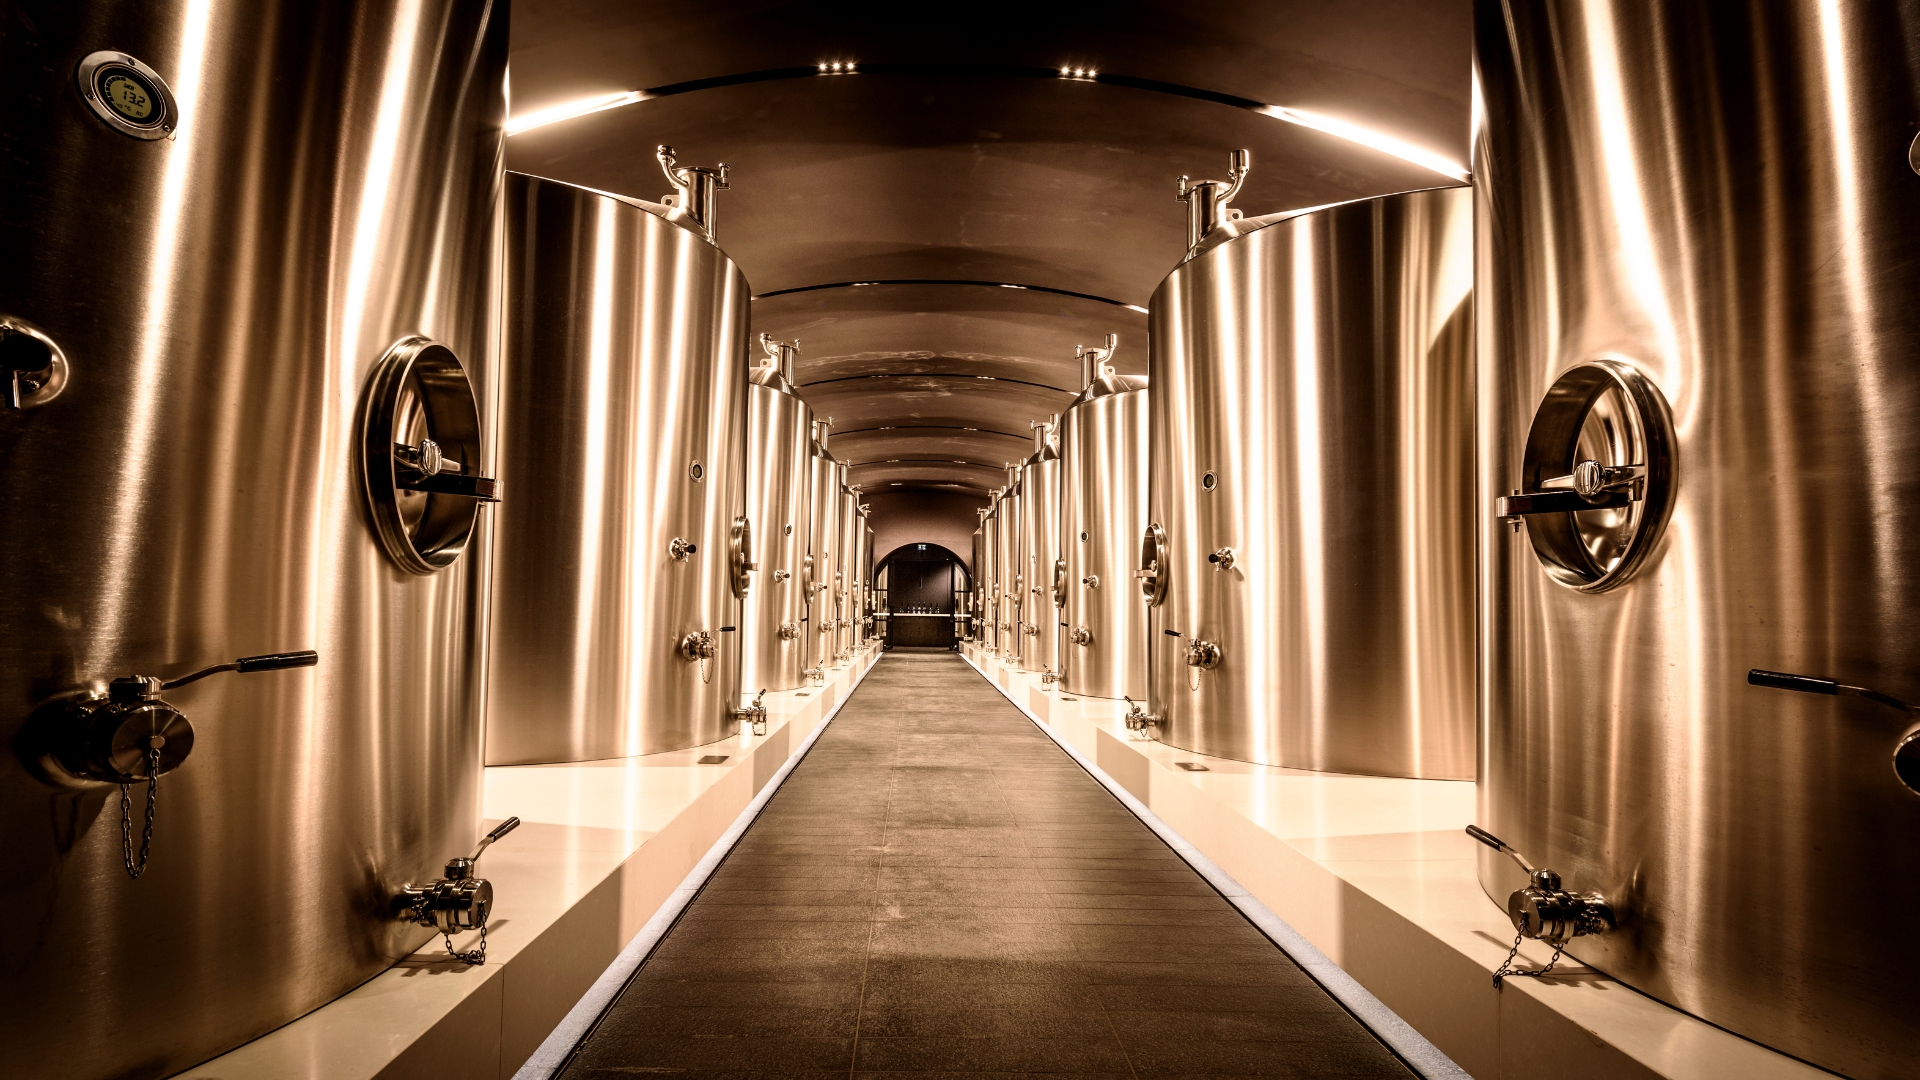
[[475, 957], [1508, 971], [706, 670], [135, 869]]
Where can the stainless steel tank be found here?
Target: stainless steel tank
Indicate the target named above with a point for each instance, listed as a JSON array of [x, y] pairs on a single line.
[[619, 570], [1311, 530], [823, 487], [1699, 252], [1013, 578], [779, 441], [868, 588], [990, 574], [846, 549], [976, 583], [1103, 510], [1040, 553], [213, 296]]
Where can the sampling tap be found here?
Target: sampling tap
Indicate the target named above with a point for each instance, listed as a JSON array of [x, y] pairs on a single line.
[[457, 902], [1544, 911], [754, 716]]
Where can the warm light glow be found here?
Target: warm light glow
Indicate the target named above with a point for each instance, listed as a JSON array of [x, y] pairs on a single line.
[[553, 114], [1384, 143]]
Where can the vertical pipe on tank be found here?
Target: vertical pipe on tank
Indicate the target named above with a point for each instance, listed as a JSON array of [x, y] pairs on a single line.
[[1013, 580], [1040, 552], [822, 501]]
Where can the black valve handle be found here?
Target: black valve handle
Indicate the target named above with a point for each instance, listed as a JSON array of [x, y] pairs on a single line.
[[1808, 684], [1486, 838], [248, 664], [503, 829], [1805, 684], [482, 488]]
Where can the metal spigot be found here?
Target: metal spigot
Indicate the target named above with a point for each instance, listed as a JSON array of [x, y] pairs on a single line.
[[1202, 654], [754, 716], [129, 736], [1544, 911], [1139, 721], [815, 676], [1207, 199], [1222, 559], [1050, 676], [457, 902], [679, 547], [789, 631]]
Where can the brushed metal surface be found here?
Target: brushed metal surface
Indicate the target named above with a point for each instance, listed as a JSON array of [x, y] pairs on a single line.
[[823, 487], [779, 441], [976, 583], [846, 551], [1039, 546], [623, 365], [1013, 578], [222, 296], [1103, 508], [1319, 369], [990, 575], [1717, 196]]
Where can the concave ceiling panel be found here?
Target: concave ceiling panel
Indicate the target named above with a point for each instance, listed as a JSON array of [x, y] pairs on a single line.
[[1060, 184], [1396, 65], [1023, 334], [967, 169]]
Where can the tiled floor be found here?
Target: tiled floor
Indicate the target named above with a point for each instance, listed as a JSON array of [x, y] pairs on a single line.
[[939, 891]]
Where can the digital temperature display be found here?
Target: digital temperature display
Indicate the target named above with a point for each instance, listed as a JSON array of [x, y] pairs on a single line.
[[129, 95]]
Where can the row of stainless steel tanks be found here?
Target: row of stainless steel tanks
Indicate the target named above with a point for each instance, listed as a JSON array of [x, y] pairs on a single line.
[[259, 399], [1642, 396]]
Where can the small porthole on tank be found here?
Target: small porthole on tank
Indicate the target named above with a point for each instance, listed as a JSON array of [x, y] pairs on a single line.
[[1083, 538], [1906, 761], [697, 471], [789, 530], [1209, 482]]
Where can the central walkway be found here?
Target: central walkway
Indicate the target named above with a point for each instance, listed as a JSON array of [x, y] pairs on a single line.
[[939, 890]]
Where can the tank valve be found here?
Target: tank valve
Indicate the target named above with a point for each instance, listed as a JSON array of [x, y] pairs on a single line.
[[815, 676], [754, 716], [1050, 676], [1091, 581], [1139, 721], [1544, 911], [788, 631], [458, 902], [700, 648], [1207, 200], [680, 548], [1080, 635], [781, 575], [1222, 559], [131, 735]]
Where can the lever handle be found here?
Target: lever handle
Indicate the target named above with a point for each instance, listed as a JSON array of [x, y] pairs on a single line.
[[483, 488], [499, 831], [1500, 846], [1805, 684], [248, 664]]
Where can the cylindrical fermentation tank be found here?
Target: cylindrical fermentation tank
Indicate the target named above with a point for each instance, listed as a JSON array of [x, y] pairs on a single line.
[[773, 648], [822, 486], [976, 584], [1040, 551], [868, 589], [1013, 578], [619, 569], [1311, 529], [227, 319], [990, 574], [846, 548], [1103, 509], [1700, 249]]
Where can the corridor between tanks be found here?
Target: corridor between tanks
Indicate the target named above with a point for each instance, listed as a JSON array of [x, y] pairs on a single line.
[[939, 890]]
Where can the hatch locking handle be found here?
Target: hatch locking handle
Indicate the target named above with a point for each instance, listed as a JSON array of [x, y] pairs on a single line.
[[1590, 486], [1544, 911], [457, 902]]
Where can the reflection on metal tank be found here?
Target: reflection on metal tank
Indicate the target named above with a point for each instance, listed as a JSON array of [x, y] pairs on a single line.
[[779, 440], [1699, 251], [1103, 508], [975, 582], [207, 307], [1310, 531], [990, 574], [846, 549], [1040, 553], [867, 585], [618, 565], [1013, 580], [823, 486]]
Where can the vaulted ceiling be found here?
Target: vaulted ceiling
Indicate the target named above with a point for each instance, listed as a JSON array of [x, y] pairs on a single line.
[[943, 225]]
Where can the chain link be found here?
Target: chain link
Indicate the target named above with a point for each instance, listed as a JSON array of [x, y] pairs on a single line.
[[1508, 971], [135, 869], [474, 957]]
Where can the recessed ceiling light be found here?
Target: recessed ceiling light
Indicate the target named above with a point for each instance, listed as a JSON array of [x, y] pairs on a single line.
[[567, 110]]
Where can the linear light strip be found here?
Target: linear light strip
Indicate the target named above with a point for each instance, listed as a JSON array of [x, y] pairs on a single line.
[[1369, 138], [567, 110]]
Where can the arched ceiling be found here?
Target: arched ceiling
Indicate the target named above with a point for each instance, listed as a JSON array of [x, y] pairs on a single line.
[[879, 216]]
